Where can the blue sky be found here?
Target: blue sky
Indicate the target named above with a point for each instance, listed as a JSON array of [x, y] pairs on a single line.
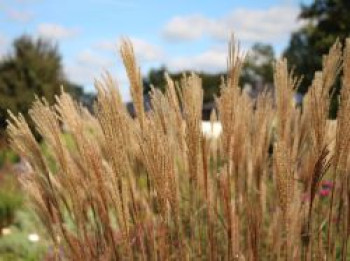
[[180, 34]]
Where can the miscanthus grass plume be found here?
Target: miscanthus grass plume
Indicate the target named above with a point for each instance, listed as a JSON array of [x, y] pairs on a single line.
[[273, 186]]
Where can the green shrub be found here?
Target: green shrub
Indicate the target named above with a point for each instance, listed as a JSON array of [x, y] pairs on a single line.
[[8, 155], [10, 201], [16, 245]]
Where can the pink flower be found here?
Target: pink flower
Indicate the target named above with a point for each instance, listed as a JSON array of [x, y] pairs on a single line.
[[324, 192]]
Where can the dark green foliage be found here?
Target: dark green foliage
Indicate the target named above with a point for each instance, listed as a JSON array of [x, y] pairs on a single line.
[[155, 78], [8, 156], [10, 200], [303, 57], [78, 93], [33, 67], [331, 21], [210, 82], [326, 21]]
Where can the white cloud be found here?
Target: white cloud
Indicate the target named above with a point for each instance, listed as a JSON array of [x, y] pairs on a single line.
[[108, 45], [211, 60], [89, 58], [87, 66], [186, 27], [56, 31], [272, 24], [144, 51], [91, 63], [80, 74], [86, 75], [20, 16]]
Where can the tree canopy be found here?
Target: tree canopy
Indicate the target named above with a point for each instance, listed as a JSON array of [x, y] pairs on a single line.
[[34, 67], [258, 66], [210, 82], [325, 21]]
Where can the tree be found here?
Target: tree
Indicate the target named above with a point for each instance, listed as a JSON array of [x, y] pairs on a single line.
[[33, 68], [210, 82], [326, 21], [258, 65]]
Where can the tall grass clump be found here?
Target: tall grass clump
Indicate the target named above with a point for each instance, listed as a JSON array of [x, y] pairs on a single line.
[[273, 186]]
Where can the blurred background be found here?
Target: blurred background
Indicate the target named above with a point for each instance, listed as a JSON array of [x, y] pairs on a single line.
[[46, 44]]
